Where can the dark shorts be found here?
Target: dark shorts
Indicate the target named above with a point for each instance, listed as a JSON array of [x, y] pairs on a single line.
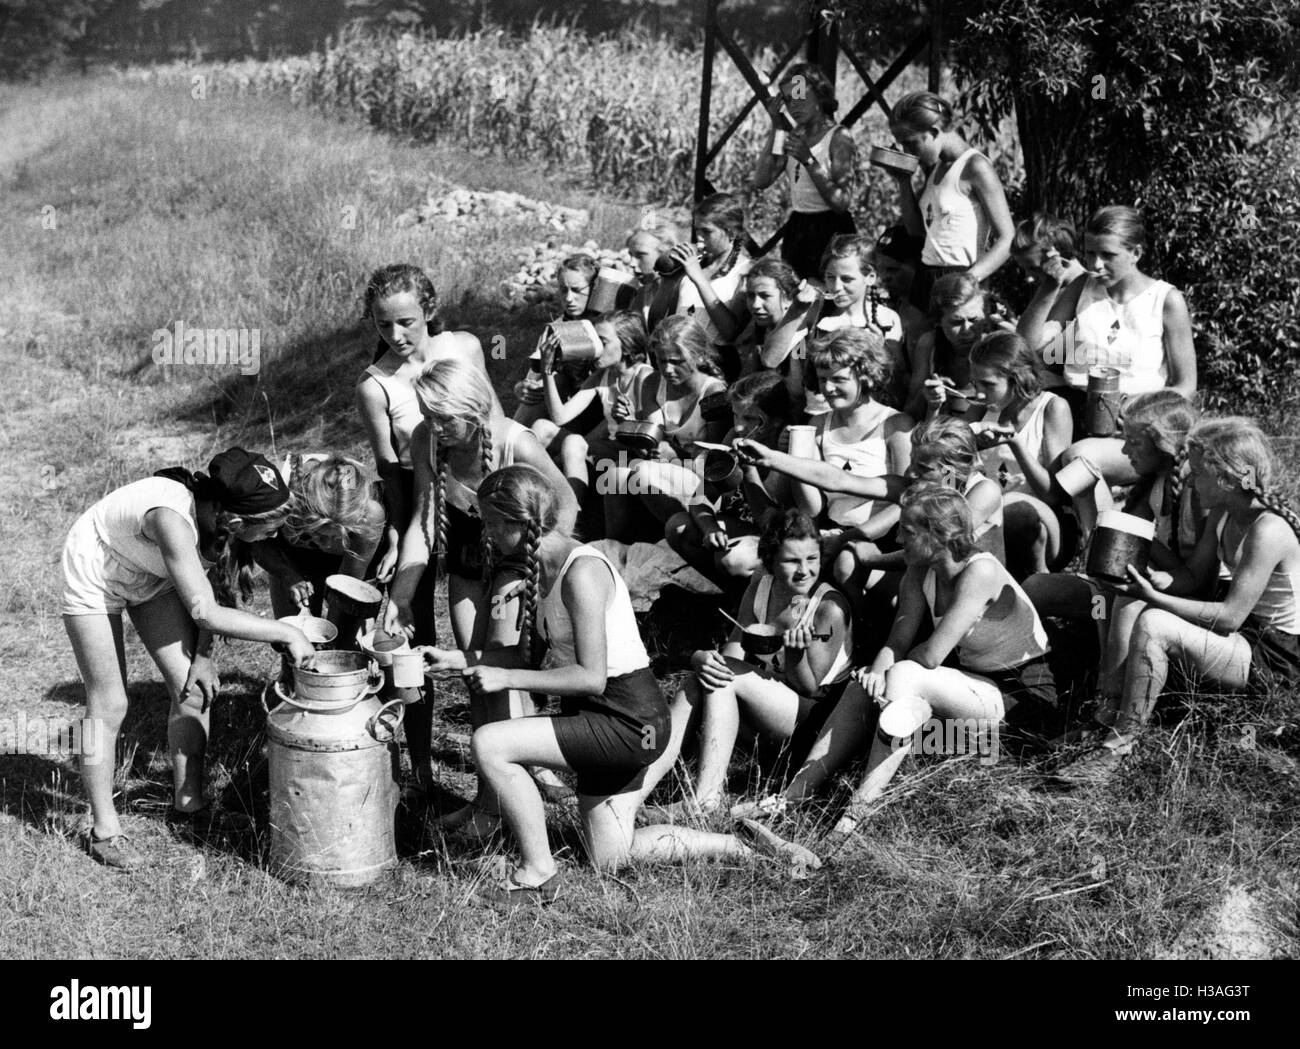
[[610, 740], [1028, 690], [806, 237], [1274, 658]]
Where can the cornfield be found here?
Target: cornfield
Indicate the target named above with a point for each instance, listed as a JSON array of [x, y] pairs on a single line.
[[620, 112]]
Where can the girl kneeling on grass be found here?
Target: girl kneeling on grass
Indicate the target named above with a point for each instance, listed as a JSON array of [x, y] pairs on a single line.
[[1251, 634], [979, 613], [789, 693], [147, 548], [614, 730]]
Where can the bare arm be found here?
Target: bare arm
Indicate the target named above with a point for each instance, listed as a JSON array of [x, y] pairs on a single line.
[[1180, 350], [977, 587], [175, 539], [372, 405], [1058, 427], [987, 189]]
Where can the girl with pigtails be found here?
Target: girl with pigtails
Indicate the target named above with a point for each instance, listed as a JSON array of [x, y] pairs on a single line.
[[463, 437], [613, 732], [1155, 427], [1249, 635]]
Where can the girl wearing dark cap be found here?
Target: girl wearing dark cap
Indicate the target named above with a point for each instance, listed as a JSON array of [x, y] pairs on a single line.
[[147, 548]]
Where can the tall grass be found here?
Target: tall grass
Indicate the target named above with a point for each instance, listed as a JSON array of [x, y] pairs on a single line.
[[618, 111]]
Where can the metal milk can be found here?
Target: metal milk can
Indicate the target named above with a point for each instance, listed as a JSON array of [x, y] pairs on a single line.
[[333, 774]]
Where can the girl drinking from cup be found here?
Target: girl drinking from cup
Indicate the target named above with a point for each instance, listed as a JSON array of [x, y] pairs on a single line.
[[715, 264], [1114, 316], [849, 301], [1249, 635], [961, 209], [979, 614], [147, 549], [613, 731], [657, 273], [462, 438], [819, 158], [717, 534], [573, 279], [1023, 431], [660, 485], [615, 385], [787, 689]]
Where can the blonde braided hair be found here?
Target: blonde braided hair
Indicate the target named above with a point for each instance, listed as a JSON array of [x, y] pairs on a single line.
[[1237, 452]]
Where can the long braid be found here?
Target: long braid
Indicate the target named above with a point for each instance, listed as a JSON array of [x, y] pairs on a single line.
[[437, 544], [532, 587], [1272, 503], [1175, 485], [871, 298], [487, 463], [730, 262]]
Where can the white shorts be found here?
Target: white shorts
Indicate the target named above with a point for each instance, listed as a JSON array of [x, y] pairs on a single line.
[[97, 582]]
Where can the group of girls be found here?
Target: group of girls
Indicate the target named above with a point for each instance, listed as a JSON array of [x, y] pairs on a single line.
[[905, 553]]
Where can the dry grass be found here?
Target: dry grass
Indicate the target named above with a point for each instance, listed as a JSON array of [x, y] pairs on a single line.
[[225, 213]]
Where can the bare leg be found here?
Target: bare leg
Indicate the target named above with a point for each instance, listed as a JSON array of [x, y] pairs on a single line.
[[1030, 525], [170, 635], [97, 644], [502, 751], [1159, 636], [844, 734]]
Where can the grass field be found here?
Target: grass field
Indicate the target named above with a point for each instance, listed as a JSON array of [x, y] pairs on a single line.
[[228, 213]]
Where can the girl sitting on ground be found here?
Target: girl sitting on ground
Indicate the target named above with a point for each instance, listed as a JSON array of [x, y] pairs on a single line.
[[613, 731], [1023, 431], [788, 694], [1156, 426], [847, 300], [1248, 636], [715, 264], [574, 279], [615, 385], [146, 549], [979, 614], [717, 533], [1114, 316], [858, 435], [641, 494]]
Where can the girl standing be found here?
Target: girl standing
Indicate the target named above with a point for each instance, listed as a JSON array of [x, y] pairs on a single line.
[[1249, 634], [819, 158], [961, 209], [146, 549]]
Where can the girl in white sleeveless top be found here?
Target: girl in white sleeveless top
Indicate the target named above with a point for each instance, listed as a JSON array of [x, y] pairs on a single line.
[[1023, 431], [787, 693], [146, 549], [1113, 316], [979, 613], [613, 732], [402, 303], [819, 159], [1248, 637], [961, 209]]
